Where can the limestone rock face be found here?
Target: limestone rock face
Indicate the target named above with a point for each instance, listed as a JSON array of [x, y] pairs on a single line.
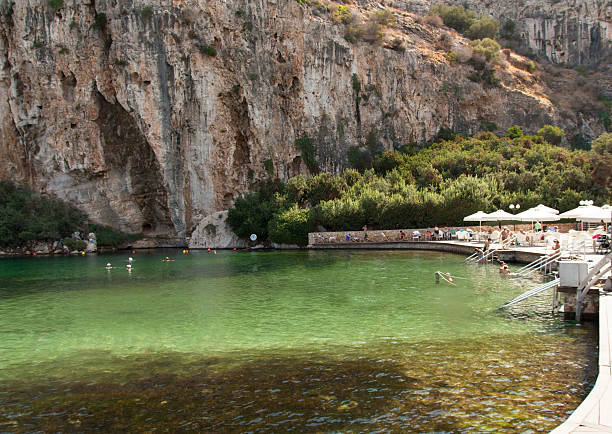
[[214, 232], [152, 115], [576, 32]]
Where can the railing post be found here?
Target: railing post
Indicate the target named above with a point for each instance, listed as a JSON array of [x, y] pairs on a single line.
[[578, 305]]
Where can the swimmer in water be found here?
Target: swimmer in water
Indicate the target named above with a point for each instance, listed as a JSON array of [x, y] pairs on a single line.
[[128, 267], [130, 260], [448, 277], [167, 259], [109, 266]]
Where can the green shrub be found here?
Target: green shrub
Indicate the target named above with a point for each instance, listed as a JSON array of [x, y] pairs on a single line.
[[483, 27], [452, 57], [456, 17], [507, 29], [73, 244], [356, 84], [387, 161], [489, 126], [146, 13], [252, 213], [553, 135], [208, 50], [269, 166], [372, 31], [100, 21], [384, 18], [210, 229], [306, 145], [324, 186], [581, 70], [291, 226], [109, 237], [26, 216], [437, 185], [486, 47], [602, 145], [56, 4], [514, 132], [240, 12]]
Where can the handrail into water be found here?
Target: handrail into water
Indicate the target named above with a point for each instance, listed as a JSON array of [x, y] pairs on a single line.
[[539, 263], [533, 292], [531, 264], [599, 270], [490, 252]]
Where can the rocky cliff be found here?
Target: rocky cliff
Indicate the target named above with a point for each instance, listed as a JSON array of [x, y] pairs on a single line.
[[575, 32], [151, 116]]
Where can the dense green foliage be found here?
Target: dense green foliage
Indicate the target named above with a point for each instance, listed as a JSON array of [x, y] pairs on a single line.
[[486, 47], [456, 17], [108, 237], [438, 185], [26, 216], [465, 21], [484, 27]]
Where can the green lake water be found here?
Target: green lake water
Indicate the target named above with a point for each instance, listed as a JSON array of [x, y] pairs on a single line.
[[282, 341]]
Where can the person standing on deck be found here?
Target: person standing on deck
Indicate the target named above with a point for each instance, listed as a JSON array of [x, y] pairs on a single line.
[[365, 232]]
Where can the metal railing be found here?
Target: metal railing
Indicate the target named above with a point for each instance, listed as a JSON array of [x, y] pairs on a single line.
[[483, 256], [532, 292], [541, 263]]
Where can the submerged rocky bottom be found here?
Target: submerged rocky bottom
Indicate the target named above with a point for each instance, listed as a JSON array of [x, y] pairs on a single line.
[[502, 384]]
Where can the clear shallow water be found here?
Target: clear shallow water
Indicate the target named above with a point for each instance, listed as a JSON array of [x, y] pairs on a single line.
[[268, 341]]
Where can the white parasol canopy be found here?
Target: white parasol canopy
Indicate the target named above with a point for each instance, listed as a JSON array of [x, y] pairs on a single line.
[[536, 215], [476, 217], [479, 217], [545, 208], [589, 213], [499, 215]]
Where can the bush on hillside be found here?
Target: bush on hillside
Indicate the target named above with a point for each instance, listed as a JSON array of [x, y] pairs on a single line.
[[486, 47], [26, 216], [109, 237], [483, 27], [456, 17], [437, 185], [291, 226], [553, 135]]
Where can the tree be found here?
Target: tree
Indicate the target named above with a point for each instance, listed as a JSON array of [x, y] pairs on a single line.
[[553, 135], [484, 27], [514, 132], [291, 226], [486, 47], [456, 17], [602, 145]]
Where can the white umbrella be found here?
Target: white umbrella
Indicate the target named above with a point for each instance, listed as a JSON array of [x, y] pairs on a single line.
[[476, 217], [499, 215], [591, 214], [535, 215], [548, 209]]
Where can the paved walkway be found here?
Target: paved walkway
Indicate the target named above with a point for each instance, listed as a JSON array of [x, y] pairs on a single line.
[[595, 413]]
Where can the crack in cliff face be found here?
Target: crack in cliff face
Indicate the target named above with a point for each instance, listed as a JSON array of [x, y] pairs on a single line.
[[127, 151]]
